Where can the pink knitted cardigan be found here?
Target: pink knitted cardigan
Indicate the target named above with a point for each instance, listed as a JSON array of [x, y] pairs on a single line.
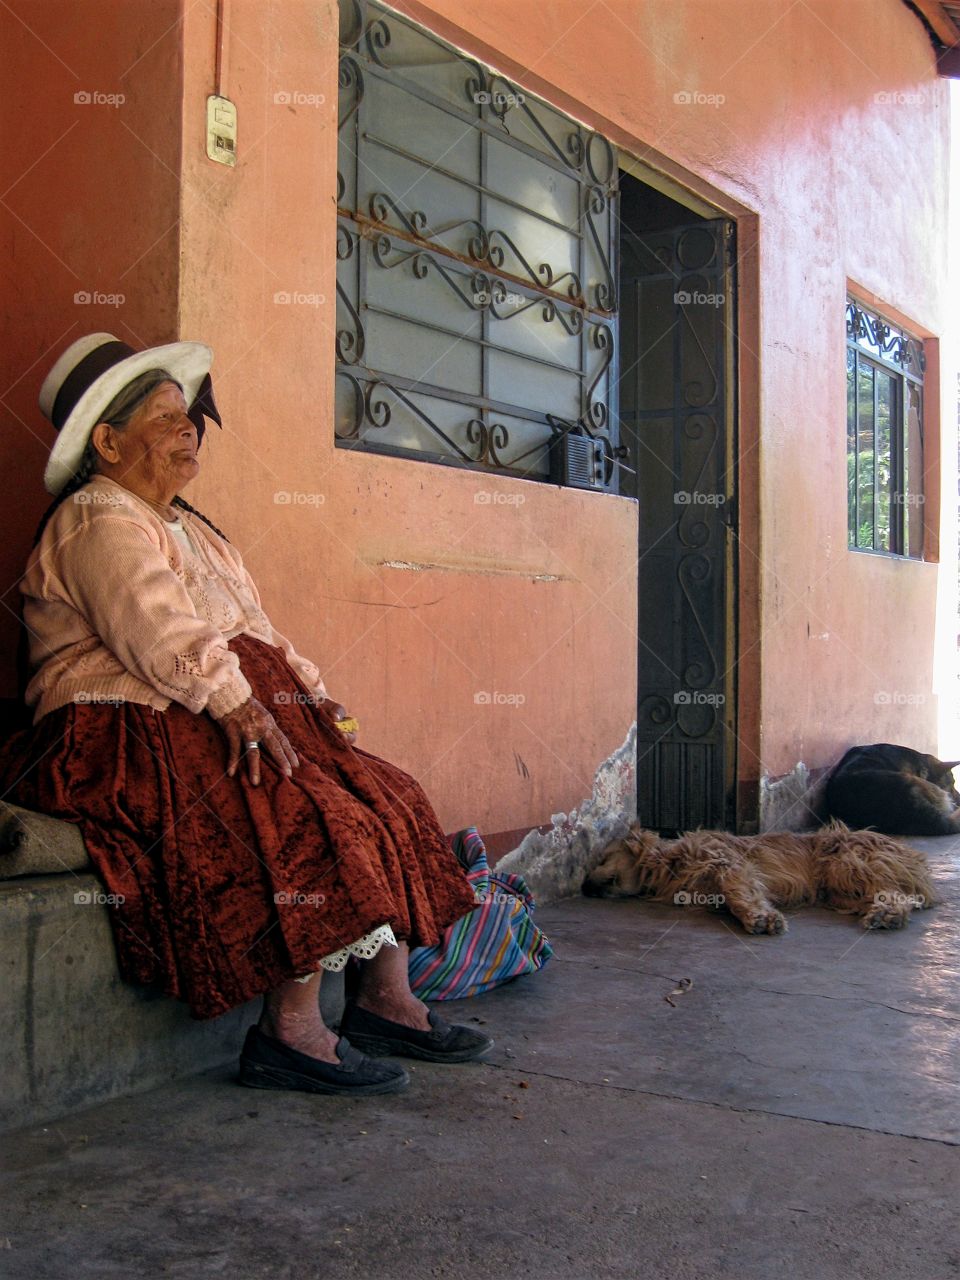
[[116, 609]]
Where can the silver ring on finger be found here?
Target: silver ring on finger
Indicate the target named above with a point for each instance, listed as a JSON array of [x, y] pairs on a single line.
[[252, 745]]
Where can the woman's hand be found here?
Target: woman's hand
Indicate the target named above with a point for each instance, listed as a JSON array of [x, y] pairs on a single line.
[[338, 712], [252, 722]]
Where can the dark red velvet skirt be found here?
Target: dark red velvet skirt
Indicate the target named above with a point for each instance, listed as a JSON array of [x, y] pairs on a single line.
[[226, 889]]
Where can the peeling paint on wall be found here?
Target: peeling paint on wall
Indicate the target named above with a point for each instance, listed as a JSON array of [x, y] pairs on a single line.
[[555, 863], [793, 802], [494, 571]]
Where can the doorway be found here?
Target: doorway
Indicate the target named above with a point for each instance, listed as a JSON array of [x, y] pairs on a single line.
[[677, 415]]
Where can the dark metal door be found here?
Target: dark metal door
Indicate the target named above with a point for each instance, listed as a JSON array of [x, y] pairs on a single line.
[[677, 418]]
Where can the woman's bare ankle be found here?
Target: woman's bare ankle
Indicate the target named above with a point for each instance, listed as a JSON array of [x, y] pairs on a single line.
[[384, 989], [307, 1034], [407, 1010]]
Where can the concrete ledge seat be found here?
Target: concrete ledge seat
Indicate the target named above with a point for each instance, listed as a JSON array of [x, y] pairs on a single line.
[[74, 1033], [34, 844]]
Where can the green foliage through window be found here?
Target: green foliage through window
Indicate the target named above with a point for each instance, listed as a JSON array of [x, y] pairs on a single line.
[[885, 495]]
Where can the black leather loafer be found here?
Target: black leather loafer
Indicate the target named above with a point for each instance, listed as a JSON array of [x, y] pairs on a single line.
[[266, 1063], [442, 1043]]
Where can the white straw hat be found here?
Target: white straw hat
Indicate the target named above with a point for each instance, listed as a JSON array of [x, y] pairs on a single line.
[[92, 372]]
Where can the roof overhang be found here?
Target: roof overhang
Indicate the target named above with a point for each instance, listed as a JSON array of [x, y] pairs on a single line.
[[942, 20]]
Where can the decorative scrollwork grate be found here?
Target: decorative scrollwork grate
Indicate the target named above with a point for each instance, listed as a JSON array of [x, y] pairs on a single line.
[[476, 294]]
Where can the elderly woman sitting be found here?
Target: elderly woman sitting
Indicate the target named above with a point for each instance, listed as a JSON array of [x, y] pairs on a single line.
[[247, 842]]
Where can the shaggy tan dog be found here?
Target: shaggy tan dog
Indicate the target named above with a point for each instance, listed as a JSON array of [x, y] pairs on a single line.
[[864, 873]]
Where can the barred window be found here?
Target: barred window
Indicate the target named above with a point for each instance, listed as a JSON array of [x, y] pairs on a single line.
[[885, 495], [476, 299]]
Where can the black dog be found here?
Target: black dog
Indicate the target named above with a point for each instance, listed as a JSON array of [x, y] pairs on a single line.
[[895, 790]]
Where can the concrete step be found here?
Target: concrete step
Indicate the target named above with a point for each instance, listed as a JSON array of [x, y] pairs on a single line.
[[73, 1032]]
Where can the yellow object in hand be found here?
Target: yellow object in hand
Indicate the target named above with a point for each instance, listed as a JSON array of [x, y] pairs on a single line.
[[348, 726]]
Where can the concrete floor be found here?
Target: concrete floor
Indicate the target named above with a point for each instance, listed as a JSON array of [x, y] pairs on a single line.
[[796, 1113]]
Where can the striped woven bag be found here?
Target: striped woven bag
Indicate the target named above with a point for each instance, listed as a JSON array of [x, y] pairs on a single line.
[[493, 943]]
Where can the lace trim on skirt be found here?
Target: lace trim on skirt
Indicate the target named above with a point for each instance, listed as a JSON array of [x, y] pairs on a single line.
[[364, 948]]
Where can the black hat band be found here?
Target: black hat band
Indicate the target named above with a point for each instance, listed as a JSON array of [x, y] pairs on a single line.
[[83, 375]]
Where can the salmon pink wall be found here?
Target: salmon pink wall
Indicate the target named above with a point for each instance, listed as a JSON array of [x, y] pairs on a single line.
[[823, 128], [415, 587], [88, 218], [820, 127]]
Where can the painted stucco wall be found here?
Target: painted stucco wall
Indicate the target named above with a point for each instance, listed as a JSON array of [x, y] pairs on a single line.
[[416, 587], [829, 142], [413, 594], [88, 220]]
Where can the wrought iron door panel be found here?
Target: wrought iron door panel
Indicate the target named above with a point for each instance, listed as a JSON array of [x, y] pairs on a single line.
[[677, 308]]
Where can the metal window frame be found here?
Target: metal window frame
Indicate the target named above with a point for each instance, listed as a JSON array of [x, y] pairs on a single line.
[[374, 236], [878, 342]]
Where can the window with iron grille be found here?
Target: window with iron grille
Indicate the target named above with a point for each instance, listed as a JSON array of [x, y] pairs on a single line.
[[885, 494], [476, 303]]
